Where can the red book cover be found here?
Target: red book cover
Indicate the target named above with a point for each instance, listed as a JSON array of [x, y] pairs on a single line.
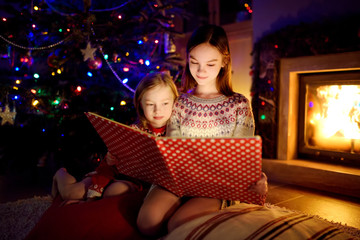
[[221, 168]]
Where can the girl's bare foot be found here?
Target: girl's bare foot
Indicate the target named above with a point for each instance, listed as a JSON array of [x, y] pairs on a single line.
[[54, 188]]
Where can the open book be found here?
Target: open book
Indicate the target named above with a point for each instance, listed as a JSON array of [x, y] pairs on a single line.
[[221, 168]]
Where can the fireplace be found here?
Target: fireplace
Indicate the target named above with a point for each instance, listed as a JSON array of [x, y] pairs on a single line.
[[329, 116], [291, 166], [291, 72]]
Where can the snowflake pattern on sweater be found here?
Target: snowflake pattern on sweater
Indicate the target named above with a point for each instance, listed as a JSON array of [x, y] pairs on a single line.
[[217, 117]]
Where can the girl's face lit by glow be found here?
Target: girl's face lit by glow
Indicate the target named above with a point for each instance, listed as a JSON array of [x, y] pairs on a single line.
[[205, 63], [157, 104]]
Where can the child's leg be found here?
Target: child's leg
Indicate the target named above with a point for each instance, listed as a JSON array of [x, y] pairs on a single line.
[[119, 187], [157, 208], [65, 184], [193, 208]]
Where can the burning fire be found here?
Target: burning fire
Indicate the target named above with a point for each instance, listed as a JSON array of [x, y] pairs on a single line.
[[333, 112]]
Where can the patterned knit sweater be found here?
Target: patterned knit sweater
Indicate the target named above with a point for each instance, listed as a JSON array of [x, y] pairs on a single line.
[[217, 117]]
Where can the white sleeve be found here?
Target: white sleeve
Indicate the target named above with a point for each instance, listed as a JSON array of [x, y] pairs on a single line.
[[245, 125], [173, 126]]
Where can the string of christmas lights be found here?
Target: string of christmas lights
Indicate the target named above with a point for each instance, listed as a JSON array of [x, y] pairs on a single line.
[[114, 72], [112, 69], [90, 10], [35, 48]]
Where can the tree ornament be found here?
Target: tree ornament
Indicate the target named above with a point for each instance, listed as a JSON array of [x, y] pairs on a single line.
[[169, 45], [115, 57], [27, 59], [53, 61], [95, 64], [7, 116], [88, 52]]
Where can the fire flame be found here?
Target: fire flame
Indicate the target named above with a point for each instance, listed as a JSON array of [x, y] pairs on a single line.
[[341, 111], [334, 115]]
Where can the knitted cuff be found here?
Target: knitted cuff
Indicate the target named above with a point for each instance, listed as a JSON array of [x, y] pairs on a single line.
[[96, 189], [94, 193]]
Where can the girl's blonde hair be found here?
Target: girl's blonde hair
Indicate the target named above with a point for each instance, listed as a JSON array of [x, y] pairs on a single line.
[[148, 82], [216, 37]]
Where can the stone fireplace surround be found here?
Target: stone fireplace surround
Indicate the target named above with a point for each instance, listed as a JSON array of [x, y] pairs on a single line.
[[288, 168]]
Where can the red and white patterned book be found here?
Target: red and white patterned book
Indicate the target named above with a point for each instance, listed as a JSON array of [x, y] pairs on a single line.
[[221, 168]]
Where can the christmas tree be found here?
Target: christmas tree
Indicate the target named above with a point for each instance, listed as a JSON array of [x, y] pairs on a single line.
[[62, 58]]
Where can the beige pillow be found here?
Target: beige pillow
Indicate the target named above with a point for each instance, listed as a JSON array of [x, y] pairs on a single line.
[[247, 221]]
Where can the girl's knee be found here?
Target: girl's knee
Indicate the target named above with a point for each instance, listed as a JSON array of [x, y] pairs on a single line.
[[149, 222], [154, 213], [116, 188], [60, 172]]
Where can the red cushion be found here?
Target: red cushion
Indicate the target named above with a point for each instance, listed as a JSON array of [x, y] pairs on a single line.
[[107, 218]]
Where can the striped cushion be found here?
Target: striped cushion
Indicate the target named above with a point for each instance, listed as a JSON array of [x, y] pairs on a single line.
[[246, 221]]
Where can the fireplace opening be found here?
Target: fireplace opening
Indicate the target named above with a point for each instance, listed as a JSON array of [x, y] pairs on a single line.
[[329, 117]]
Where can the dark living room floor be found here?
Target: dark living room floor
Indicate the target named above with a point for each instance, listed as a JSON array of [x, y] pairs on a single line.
[[333, 207]]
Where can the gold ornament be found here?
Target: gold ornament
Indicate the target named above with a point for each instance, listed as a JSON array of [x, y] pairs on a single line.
[[88, 52], [7, 116]]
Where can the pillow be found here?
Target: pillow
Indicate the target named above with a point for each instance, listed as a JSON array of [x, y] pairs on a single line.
[[247, 221], [107, 218]]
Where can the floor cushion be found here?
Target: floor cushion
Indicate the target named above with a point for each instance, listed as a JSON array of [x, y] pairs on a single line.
[[247, 221], [108, 218]]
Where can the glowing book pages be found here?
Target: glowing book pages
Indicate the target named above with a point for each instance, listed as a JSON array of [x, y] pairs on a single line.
[[221, 168]]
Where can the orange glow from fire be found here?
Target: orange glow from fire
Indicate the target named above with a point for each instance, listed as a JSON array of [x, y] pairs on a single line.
[[333, 114]]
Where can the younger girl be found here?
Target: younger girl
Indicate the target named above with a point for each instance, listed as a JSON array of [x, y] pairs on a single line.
[[154, 98], [207, 108]]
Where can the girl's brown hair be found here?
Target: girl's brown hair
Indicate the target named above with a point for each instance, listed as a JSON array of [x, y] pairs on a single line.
[[216, 37], [148, 82]]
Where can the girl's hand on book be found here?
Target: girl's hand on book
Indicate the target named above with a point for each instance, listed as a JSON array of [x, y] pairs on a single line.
[[261, 186], [110, 159]]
